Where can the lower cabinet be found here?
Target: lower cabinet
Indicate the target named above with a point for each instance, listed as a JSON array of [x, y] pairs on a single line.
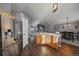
[[12, 50], [49, 40]]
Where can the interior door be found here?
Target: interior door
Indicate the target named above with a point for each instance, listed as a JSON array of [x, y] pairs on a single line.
[[25, 31]]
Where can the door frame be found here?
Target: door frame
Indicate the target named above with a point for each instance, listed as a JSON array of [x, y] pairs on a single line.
[[0, 37]]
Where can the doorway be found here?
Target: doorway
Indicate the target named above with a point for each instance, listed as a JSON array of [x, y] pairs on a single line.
[[18, 33]]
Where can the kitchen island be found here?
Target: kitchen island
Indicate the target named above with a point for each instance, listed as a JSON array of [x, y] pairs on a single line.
[[51, 39]]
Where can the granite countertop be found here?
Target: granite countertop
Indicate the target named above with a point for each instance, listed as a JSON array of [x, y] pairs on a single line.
[[54, 34]]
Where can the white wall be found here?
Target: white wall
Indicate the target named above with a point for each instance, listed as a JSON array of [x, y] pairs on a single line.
[[5, 6], [17, 20], [6, 22]]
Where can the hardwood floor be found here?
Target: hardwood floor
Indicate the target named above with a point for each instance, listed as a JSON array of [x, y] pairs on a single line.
[[43, 50]]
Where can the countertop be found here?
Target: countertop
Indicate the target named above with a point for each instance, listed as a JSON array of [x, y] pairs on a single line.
[[54, 34]]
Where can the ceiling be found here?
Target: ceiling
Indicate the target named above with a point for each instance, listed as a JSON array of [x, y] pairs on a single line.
[[42, 12]]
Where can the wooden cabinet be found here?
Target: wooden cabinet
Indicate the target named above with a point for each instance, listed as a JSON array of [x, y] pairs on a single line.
[[42, 39], [12, 50], [38, 39], [53, 42], [46, 39]]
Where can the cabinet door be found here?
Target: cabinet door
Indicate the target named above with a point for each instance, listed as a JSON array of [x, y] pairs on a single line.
[[54, 39], [43, 39], [12, 50], [38, 39], [48, 38], [51, 39]]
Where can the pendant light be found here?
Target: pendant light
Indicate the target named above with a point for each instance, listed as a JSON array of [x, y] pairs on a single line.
[[67, 24], [54, 7]]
